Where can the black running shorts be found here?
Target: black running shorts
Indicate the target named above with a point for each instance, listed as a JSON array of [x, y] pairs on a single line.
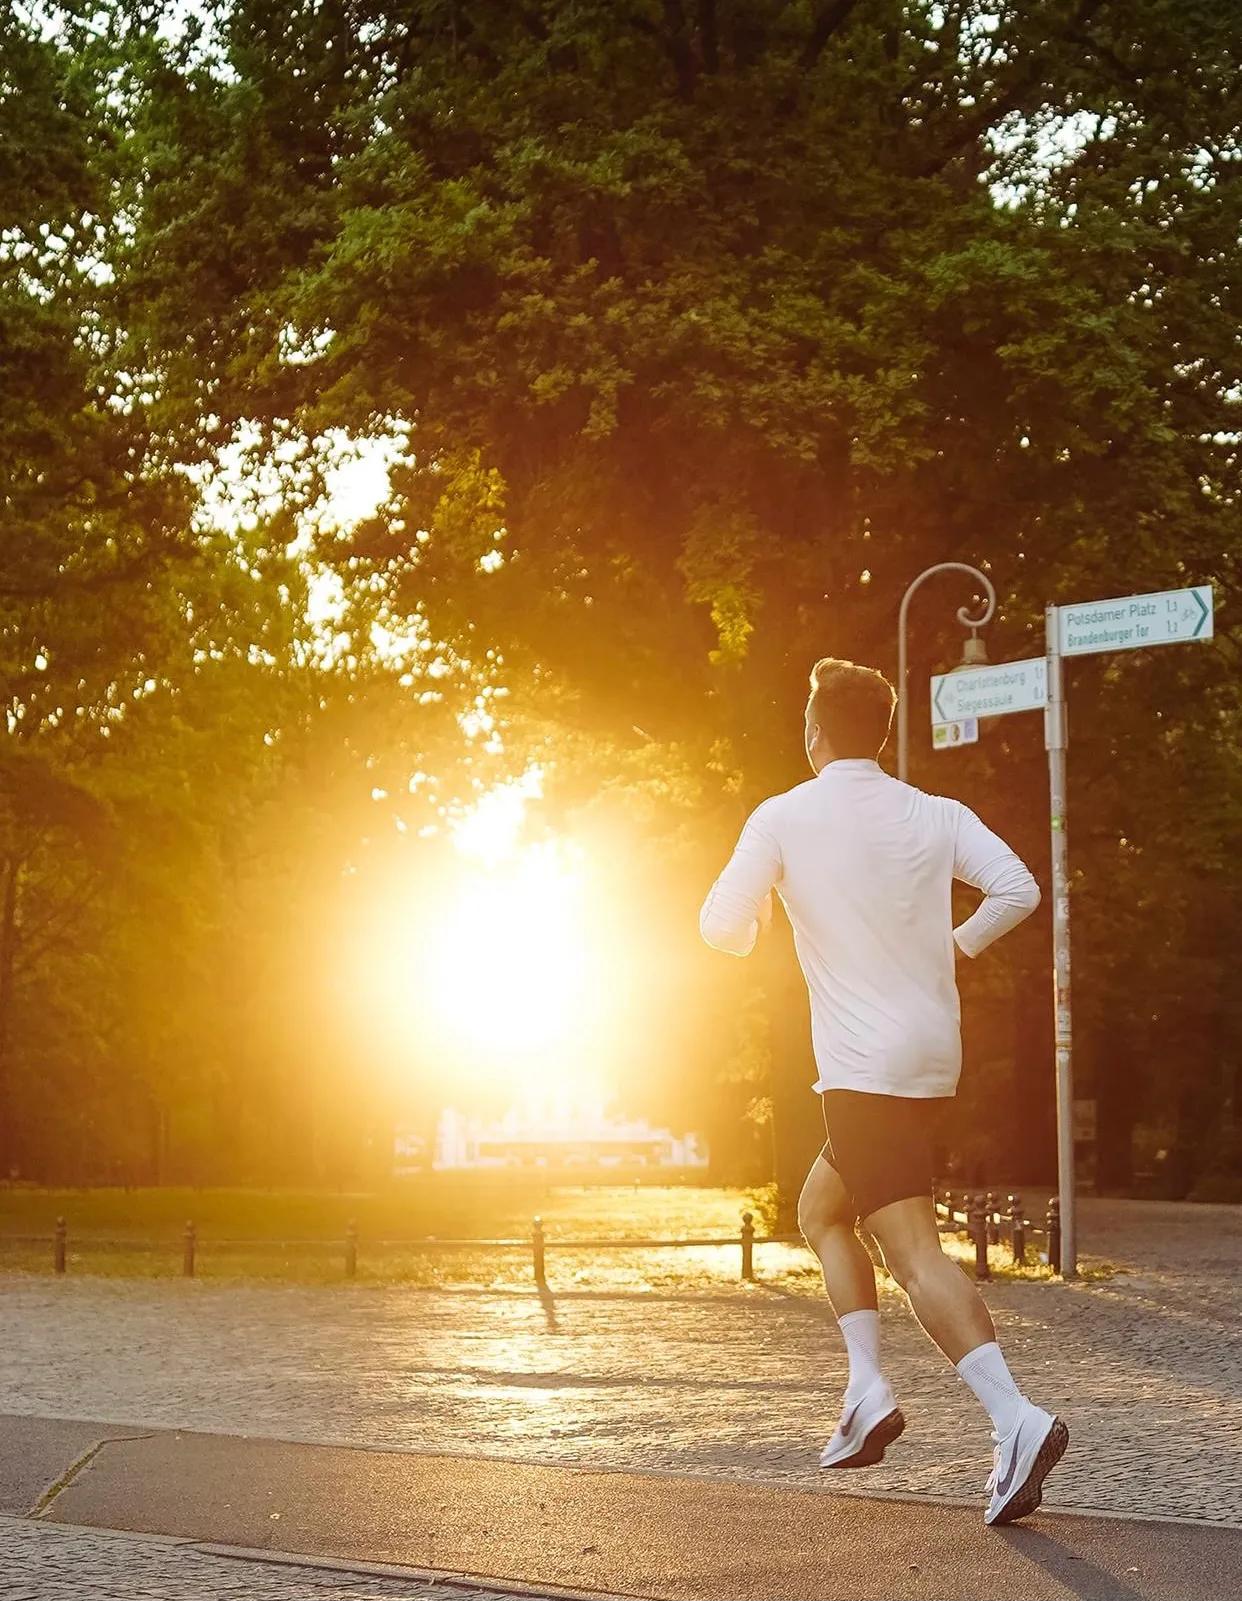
[[881, 1145]]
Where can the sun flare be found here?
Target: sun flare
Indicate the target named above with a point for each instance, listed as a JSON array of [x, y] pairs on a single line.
[[494, 975], [508, 972]]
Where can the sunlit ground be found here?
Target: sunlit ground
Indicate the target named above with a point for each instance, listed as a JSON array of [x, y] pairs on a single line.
[[299, 1237]]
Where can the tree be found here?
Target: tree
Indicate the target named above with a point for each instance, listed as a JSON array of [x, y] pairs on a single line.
[[709, 328], [186, 765], [89, 521]]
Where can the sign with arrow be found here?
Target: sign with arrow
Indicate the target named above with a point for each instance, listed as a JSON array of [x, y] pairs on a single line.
[[1134, 621], [990, 691], [958, 699]]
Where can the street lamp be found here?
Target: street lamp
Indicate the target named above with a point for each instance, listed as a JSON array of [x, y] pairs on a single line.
[[972, 654]]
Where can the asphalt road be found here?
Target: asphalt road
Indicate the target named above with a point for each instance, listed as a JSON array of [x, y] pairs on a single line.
[[659, 1536]]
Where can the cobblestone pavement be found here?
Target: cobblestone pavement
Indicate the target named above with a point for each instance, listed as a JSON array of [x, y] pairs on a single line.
[[1146, 1367], [49, 1562]]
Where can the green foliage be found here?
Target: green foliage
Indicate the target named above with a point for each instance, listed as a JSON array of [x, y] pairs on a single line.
[[185, 770], [706, 328]]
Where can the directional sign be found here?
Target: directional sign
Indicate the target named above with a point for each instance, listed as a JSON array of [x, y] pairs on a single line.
[[990, 691], [964, 731], [1136, 620]]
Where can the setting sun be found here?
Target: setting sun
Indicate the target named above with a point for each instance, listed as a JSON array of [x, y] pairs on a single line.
[[507, 968], [493, 964]]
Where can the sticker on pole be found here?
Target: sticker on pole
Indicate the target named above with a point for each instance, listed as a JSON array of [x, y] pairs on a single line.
[[963, 731], [1134, 621]]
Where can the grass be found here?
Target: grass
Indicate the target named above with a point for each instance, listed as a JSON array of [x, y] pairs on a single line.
[[297, 1236], [445, 1206]]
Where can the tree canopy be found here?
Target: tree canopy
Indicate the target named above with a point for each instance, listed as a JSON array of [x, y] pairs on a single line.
[[701, 330]]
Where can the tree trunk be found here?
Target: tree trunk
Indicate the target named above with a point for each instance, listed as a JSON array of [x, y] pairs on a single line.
[[8, 959]]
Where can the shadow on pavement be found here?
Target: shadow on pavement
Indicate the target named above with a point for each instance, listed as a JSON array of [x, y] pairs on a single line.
[[1077, 1573], [548, 1302]]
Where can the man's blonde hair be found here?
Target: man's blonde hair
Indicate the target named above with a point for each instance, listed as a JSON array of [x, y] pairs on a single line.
[[852, 705]]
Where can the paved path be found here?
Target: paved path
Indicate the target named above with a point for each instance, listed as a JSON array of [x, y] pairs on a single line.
[[48, 1562], [608, 1533], [1146, 1366]]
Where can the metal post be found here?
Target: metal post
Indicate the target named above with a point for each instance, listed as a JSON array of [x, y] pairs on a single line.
[[993, 1218], [1056, 738], [748, 1245], [536, 1241], [58, 1249], [1055, 1238], [979, 1232], [351, 1251], [187, 1254], [963, 617], [1017, 1231]]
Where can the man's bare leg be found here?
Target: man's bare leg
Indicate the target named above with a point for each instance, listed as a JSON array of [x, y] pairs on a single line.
[[943, 1299], [826, 1220], [1029, 1441], [870, 1419]]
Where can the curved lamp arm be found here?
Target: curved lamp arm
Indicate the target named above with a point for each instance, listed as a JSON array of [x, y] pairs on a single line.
[[963, 617]]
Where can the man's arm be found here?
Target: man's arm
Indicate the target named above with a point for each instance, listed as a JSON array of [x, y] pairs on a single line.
[[982, 858], [740, 901]]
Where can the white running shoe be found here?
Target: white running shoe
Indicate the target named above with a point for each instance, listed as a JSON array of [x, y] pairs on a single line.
[[1021, 1462], [867, 1427]]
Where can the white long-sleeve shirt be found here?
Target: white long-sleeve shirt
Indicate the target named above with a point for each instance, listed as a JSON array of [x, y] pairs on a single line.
[[865, 866]]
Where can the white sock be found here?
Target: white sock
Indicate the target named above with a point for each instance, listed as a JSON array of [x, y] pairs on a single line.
[[986, 1372], [862, 1343]]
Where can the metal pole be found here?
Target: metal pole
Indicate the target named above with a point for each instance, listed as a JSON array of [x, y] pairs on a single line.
[[1017, 1230], [977, 1224], [1056, 737], [963, 617]]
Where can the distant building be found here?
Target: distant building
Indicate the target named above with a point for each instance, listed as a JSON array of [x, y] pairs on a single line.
[[585, 1139]]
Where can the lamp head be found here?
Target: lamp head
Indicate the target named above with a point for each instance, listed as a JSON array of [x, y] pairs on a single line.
[[974, 652]]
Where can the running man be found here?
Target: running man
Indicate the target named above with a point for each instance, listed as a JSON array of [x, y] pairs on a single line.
[[864, 866]]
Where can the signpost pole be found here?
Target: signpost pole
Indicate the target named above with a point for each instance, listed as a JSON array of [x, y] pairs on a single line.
[[1129, 622], [1056, 738]]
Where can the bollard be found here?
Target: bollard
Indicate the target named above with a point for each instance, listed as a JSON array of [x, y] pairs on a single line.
[[1054, 1234], [979, 1233], [59, 1245], [1017, 1231], [187, 1257], [993, 1211], [536, 1240], [748, 1245], [351, 1250]]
